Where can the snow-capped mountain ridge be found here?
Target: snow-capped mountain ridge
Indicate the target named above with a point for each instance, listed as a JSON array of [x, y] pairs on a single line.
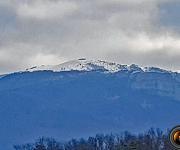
[[73, 104], [93, 65]]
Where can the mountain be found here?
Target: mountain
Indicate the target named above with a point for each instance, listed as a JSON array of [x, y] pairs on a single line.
[[83, 97], [93, 65], [82, 65]]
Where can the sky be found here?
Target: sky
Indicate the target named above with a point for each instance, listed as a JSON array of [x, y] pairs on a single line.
[[47, 32]]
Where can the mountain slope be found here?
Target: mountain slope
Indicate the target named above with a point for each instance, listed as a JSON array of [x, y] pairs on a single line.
[[82, 102]]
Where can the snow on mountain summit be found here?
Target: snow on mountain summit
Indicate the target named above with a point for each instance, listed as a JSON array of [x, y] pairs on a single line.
[[81, 65], [93, 65]]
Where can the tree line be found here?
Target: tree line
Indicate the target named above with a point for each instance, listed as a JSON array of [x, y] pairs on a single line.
[[153, 139]]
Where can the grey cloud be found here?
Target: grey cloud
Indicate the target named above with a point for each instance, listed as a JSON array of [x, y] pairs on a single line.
[[53, 31]]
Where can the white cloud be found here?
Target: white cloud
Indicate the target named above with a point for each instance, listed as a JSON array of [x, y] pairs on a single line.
[[46, 9], [145, 43], [45, 59]]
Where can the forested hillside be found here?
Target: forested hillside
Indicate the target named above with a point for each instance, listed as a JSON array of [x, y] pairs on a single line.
[[150, 140]]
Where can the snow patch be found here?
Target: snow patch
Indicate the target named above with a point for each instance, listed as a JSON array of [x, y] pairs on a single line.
[[95, 65]]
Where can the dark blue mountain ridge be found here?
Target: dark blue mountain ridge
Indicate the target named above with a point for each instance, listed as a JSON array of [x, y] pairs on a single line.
[[81, 98]]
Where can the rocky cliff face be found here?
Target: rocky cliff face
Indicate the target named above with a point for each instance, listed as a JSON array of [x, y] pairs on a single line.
[[161, 83]]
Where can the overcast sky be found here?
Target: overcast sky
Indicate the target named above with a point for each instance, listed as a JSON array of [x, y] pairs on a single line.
[[35, 32]]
